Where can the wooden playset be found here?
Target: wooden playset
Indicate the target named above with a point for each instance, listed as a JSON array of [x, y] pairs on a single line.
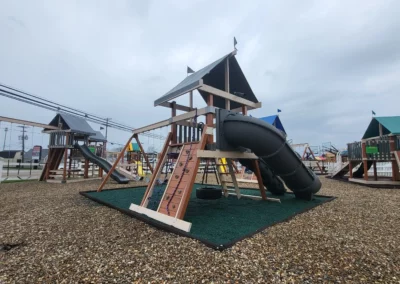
[[379, 144], [223, 86], [308, 157]]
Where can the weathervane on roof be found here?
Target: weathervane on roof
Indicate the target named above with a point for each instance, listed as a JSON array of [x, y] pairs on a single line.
[[234, 43]]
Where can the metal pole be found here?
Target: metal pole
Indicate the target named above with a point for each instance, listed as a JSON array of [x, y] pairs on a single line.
[[5, 135], [23, 142]]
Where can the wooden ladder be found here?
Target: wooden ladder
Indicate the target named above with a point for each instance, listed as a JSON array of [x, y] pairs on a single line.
[[224, 171]]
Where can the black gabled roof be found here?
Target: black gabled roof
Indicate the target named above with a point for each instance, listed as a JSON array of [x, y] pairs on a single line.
[[98, 137], [71, 122], [214, 75]]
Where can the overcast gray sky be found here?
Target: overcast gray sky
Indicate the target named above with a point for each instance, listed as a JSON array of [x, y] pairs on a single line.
[[325, 64]]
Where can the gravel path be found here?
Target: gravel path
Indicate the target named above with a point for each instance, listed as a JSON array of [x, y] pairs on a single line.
[[66, 238]]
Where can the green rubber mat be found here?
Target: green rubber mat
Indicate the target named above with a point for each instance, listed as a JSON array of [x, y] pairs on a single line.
[[217, 223]]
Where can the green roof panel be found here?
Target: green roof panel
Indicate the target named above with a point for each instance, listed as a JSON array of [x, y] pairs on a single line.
[[390, 125]]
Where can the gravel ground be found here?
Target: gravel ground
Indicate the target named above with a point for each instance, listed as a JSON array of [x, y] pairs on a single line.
[[66, 238]]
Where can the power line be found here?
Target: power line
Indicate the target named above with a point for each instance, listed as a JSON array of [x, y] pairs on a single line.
[[25, 97]]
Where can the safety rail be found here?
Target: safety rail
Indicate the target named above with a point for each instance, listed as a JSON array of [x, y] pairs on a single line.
[[185, 134], [354, 151], [378, 149], [61, 139]]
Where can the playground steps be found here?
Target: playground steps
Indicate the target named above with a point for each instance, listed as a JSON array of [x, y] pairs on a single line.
[[227, 175], [177, 194], [54, 160], [342, 171]]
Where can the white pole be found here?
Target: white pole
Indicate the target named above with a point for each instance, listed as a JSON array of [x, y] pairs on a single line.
[[1, 169]]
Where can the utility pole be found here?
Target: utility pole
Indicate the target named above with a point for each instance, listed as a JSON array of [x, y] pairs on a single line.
[[5, 136], [23, 141], [105, 144], [107, 119]]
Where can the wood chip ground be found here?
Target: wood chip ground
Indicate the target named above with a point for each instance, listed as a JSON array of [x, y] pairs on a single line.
[[51, 234]]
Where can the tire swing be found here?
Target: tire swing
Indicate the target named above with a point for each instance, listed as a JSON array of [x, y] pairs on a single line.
[[208, 193]]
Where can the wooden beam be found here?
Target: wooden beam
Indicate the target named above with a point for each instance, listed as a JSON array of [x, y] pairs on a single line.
[[227, 101], [210, 117], [194, 87], [225, 154], [299, 145], [27, 122], [178, 106], [144, 153], [186, 123], [115, 164], [240, 109], [174, 128], [172, 221], [226, 95], [177, 118], [259, 179]]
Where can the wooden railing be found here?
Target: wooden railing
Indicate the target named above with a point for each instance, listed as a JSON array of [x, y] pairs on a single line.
[[382, 144], [354, 151], [185, 134], [376, 149], [60, 139]]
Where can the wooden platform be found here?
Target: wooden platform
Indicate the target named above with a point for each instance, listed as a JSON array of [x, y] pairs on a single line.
[[247, 180], [72, 180], [381, 181]]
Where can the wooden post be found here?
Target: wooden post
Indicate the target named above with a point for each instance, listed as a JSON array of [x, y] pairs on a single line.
[[227, 102], [364, 159], [173, 125], [210, 118], [65, 164], [259, 179], [244, 110], [70, 164], [144, 154], [395, 166], [115, 164], [375, 171], [351, 169], [50, 158], [86, 170], [100, 172], [191, 99]]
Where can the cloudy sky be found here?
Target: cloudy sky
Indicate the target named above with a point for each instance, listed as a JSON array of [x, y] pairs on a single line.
[[325, 64]]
